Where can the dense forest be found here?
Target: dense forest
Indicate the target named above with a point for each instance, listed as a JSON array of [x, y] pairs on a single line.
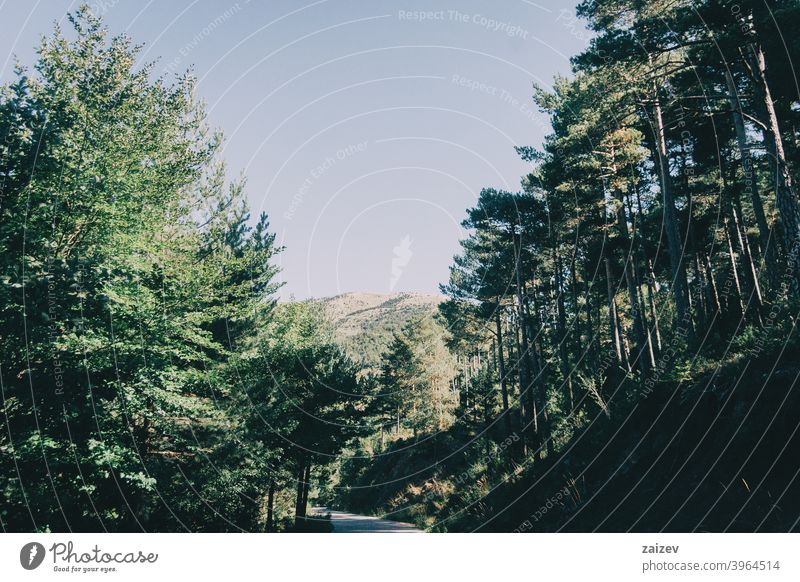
[[149, 380], [616, 350], [621, 331]]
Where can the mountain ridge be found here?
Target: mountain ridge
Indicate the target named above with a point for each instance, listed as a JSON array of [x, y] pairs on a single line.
[[365, 322]]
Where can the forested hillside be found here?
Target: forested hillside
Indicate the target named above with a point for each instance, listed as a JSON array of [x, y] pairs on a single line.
[[616, 348], [149, 382], [364, 323], [627, 319]]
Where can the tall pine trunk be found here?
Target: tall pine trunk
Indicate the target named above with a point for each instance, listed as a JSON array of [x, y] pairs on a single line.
[[613, 323], [751, 184], [562, 328], [539, 388], [642, 354], [299, 506], [785, 195], [527, 416], [680, 287], [734, 268], [306, 487], [271, 506], [501, 363]]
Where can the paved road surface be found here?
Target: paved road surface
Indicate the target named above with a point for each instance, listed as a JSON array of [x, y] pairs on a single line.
[[351, 523]]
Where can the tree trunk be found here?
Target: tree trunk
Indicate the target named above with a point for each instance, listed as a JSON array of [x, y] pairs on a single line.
[[641, 358], [651, 281], [501, 363], [539, 391], [578, 347], [734, 269], [785, 196], [636, 263], [306, 487], [637, 277], [713, 293], [679, 281], [520, 395], [702, 289], [524, 370], [751, 184], [299, 506], [562, 330], [616, 341], [715, 303], [271, 506], [754, 290], [591, 334]]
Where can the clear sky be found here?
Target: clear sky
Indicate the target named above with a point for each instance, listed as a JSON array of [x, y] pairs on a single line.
[[365, 127]]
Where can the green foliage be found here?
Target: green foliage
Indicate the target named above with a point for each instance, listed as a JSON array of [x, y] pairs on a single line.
[[133, 286], [646, 269], [641, 256], [365, 323], [416, 378]]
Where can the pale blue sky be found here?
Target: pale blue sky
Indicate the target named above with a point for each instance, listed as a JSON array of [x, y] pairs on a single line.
[[359, 124]]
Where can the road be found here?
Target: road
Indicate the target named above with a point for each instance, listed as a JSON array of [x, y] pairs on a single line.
[[351, 523]]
